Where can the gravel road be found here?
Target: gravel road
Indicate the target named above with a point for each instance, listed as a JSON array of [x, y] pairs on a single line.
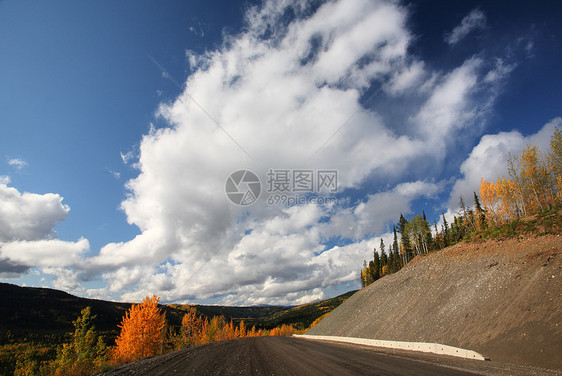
[[294, 356]]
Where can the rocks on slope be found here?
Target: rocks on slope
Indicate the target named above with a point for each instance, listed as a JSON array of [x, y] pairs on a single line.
[[500, 298]]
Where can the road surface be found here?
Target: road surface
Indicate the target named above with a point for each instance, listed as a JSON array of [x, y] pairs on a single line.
[[296, 356]]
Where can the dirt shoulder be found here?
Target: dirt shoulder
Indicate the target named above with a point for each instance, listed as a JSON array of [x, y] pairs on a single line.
[[500, 298]]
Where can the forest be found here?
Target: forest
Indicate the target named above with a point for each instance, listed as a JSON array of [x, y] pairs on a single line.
[[507, 207], [144, 332]]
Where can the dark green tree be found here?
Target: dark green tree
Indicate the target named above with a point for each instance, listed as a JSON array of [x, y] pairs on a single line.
[[404, 238], [396, 251], [445, 231], [480, 214], [376, 265]]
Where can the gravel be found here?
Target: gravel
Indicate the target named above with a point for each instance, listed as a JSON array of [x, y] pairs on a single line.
[[500, 298]]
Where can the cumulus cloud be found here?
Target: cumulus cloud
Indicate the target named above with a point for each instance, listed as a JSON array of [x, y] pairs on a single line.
[[11, 269], [475, 20], [27, 236], [29, 216], [290, 95], [372, 216], [45, 253]]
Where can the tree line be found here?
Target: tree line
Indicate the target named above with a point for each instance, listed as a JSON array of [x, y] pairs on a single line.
[[533, 185], [144, 332]]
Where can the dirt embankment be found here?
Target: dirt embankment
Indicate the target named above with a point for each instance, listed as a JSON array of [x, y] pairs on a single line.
[[500, 298]]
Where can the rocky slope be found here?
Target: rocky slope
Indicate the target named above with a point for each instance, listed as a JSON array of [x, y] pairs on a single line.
[[500, 298]]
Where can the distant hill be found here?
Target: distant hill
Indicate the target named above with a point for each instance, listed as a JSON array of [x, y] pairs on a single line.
[[302, 316], [46, 315], [500, 298]]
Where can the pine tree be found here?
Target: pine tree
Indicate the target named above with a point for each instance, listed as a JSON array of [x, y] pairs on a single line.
[[445, 231], [480, 214], [404, 238], [384, 264], [396, 251], [376, 266], [428, 239], [437, 239]]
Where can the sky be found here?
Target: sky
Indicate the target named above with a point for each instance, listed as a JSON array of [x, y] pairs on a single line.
[[253, 152]]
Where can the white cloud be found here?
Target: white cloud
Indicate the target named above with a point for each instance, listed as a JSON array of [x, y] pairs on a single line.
[[128, 156], [282, 92], [475, 20], [115, 174], [18, 163], [450, 106], [488, 159], [380, 209], [27, 236], [45, 253], [29, 216], [406, 79]]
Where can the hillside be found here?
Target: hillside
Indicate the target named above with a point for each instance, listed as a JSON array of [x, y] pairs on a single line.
[[44, 314], [500, 298]]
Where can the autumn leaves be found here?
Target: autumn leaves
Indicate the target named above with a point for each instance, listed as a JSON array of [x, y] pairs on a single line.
[[534, 185], [144, 332]]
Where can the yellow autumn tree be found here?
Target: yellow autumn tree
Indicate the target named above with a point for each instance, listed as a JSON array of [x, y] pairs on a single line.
[[508, 207], [190, 330], [537, 180], [534, 184], [228, 331], [142, 332], [490, 201]]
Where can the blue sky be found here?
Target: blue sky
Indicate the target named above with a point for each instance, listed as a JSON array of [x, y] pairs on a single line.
[[120, 123]]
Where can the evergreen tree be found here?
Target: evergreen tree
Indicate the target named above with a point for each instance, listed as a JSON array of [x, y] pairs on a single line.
[[404, 238], [396, 251], [445, 231], [480, 214], [437, 240], [384, 263], [376, 265], [395, 242]]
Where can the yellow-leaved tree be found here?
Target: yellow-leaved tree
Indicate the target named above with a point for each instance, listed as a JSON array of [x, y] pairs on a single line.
[[534, 184], [143, 331]]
